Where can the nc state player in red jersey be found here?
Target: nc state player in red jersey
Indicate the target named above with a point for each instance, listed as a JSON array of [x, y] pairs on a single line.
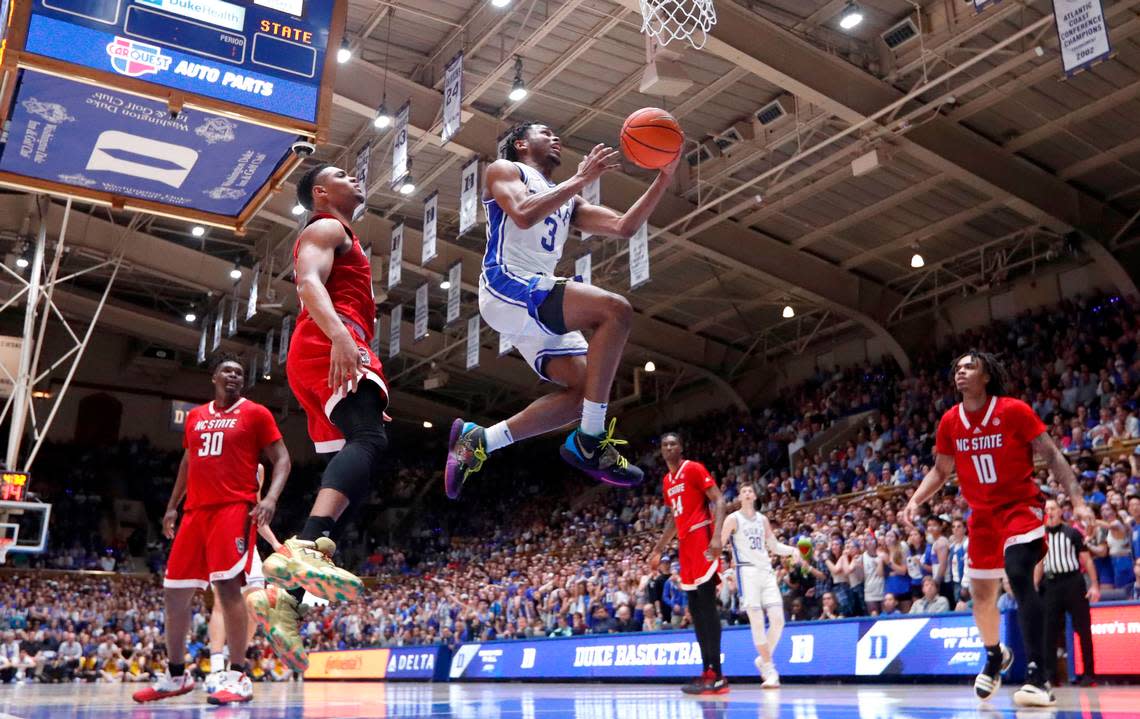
[[216, 539], [990, 440], [689, 490], [340, 383]]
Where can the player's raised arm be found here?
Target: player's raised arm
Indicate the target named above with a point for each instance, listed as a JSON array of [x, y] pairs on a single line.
[[1044, 448], [506, 187], [316, 251], [601, 220], [931, 483], [775, 545]]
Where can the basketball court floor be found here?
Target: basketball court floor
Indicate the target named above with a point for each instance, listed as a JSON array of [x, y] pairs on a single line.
[[316, 700]]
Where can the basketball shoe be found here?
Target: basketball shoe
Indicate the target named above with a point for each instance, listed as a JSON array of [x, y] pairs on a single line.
[[1036, 692], [309, 565], [466, 452], [988, 681], [599, 458], [165, 686], [236, 687], [768, 673], [279, 616], [707, 683]]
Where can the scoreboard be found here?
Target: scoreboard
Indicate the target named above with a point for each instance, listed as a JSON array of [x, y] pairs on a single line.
[[266, 55], [13, 486]]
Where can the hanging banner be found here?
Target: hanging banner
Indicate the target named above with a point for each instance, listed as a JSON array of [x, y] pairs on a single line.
[[286, 330], [421, 327], [473, 342], [452, 97], [505, 345], [267, 358], [217, 342], [202, 341], [428, 252], [251, 306], [394, 327], [1082, 32], [231, 322], [469, 196], [639, 257], [501, 146], [583, 267], [375, 343], [400, 146], [251, 362], [455, 281], [592, 193], [980, 5], [396, 258], [360, 170]]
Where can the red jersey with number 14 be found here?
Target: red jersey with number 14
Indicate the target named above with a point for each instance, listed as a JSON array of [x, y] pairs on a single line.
[[222, 451], [992, 451], [685, 496]]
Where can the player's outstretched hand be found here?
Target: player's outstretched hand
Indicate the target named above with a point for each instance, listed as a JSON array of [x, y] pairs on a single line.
[[601, 160], [344, 364], [168, 521], [671, 168], [263, 511]]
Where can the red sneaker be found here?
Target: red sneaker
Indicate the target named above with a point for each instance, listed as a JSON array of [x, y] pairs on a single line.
[[164, 687]]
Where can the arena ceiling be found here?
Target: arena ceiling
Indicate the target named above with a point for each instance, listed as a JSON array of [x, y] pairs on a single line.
[[986, 160]]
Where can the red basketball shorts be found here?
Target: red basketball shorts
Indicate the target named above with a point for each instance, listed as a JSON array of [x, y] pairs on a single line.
[[992, 531], [308, 371], [213, 544], [696, 568]]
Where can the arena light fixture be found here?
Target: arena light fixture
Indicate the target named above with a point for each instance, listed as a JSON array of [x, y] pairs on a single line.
[[650, 367], [916, 260], [344, 53], [445, 285], [500, 3], [518, 87], [788, 312], [235, 273], [298, 209], [191, 317], [852, 16], [22, 262], [383, 117], [197, 230], [408, 186], [427, 424]]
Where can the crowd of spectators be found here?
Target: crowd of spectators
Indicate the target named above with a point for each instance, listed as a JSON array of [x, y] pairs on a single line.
[[533, 551]]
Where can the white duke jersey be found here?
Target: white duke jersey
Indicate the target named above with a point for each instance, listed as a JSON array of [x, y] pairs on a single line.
[[513, 254], [749, 541]]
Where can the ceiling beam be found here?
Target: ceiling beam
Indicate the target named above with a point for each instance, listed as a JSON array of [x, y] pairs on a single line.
[[1085, 112], [867, 213], [1101, 159], [905, 240]]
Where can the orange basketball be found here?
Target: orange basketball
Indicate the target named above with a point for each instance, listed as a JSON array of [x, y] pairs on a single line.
[[651, 138]]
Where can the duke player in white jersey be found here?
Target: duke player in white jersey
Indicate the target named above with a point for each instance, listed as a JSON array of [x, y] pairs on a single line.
[[749, 535], [529, 217]]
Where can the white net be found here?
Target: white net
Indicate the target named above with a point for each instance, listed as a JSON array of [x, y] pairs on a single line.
[[668, 20]]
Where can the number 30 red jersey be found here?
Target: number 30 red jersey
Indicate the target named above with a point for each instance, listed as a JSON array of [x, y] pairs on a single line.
[[685, 496], [222, 451], [992, 451]]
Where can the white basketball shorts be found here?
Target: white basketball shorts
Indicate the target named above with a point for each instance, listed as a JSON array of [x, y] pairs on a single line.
[[758, 588]]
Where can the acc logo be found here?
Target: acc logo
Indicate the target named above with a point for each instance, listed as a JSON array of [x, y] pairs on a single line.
[[135, 59]]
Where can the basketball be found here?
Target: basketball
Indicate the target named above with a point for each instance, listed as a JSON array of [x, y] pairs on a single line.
[[651, 138]]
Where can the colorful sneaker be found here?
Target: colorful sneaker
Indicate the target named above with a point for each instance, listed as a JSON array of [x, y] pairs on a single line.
[[697, 685], [164, 687], [466, 452], [599, 458], [279, 616], [236, 687], [300, 563], [987, 683]]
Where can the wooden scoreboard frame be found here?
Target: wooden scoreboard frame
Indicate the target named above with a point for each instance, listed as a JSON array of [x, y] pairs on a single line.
[[13, 58]]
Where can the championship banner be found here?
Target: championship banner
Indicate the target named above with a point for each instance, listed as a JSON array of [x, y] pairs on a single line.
[[251, 306], [469, 196], [394, 330], [286, 330], [473, 342], [639, 257], [583, 267], [396, 256], [454, 281], [452, 97], [505, 345], [428, 251], [231, 321], [400, 146], [360, 170], [217, 341], [1082, 32], [592, 193], [202, 341], [421, 325]]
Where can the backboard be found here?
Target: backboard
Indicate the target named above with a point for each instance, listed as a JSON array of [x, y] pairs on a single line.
[[27, 524]]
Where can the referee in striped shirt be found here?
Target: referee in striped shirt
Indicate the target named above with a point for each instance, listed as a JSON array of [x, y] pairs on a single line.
[[1063, 588]]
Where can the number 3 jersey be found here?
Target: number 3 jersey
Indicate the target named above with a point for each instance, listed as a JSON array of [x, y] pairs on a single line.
[[514, 254], [222, 452], [992, 451], [685, 496]]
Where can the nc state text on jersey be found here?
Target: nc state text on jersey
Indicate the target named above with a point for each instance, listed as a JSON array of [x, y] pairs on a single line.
[[204, 424], [975, 444]]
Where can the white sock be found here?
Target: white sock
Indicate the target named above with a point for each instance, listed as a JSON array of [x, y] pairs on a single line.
[[594, 417], [498, 436], [217, 663]]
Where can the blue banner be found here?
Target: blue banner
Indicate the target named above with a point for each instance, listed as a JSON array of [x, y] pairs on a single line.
[[101, 139], [267, 55], [930, 645]]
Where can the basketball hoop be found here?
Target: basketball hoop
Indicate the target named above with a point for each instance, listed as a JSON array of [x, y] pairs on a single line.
[[668, 20], [5, 544]]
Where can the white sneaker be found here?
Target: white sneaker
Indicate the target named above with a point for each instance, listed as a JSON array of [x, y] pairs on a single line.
[[985, 685], [235, 687], [213, 682], [164, 687], [1030, 695], [768, 673]]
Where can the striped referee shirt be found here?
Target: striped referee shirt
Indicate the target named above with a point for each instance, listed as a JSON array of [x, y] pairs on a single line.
[[1065, 547]]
